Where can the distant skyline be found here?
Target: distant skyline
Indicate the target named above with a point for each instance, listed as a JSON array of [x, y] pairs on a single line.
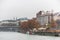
[[26, 8]]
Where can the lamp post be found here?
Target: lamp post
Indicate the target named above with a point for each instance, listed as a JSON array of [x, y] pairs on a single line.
[[46, 25]]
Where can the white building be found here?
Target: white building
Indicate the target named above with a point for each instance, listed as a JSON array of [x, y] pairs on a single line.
[[9, 23], [45, 18]]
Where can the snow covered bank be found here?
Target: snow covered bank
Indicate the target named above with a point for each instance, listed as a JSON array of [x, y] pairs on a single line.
[[20, 36]]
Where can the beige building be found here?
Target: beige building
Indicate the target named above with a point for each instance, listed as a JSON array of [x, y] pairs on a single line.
[[56, 18]]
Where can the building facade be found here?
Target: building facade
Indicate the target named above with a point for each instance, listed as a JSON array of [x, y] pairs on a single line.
[[9, 25], [45, 18]]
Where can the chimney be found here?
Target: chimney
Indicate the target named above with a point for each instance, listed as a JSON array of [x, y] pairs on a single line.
[[40, 12]]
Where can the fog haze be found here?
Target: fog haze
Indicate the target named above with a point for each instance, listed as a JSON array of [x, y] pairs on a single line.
[[26, 8]]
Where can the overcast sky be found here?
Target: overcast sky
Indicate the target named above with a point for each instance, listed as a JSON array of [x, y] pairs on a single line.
[[26, 8]]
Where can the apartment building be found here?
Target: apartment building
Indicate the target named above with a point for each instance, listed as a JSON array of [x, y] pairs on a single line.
[[44, 18]]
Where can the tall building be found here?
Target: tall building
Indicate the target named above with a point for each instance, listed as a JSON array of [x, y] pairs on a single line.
[[44, 17]]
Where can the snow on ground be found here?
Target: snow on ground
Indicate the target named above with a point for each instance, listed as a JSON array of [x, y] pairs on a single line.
[[20, 36]]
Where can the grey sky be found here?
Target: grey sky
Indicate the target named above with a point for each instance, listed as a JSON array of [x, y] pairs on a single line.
[[26, 8]]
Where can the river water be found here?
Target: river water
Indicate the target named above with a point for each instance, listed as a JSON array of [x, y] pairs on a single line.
[[39, 37], [20, 36]]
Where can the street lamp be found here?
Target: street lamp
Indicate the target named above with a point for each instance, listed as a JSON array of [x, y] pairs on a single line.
[[46, 25]]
